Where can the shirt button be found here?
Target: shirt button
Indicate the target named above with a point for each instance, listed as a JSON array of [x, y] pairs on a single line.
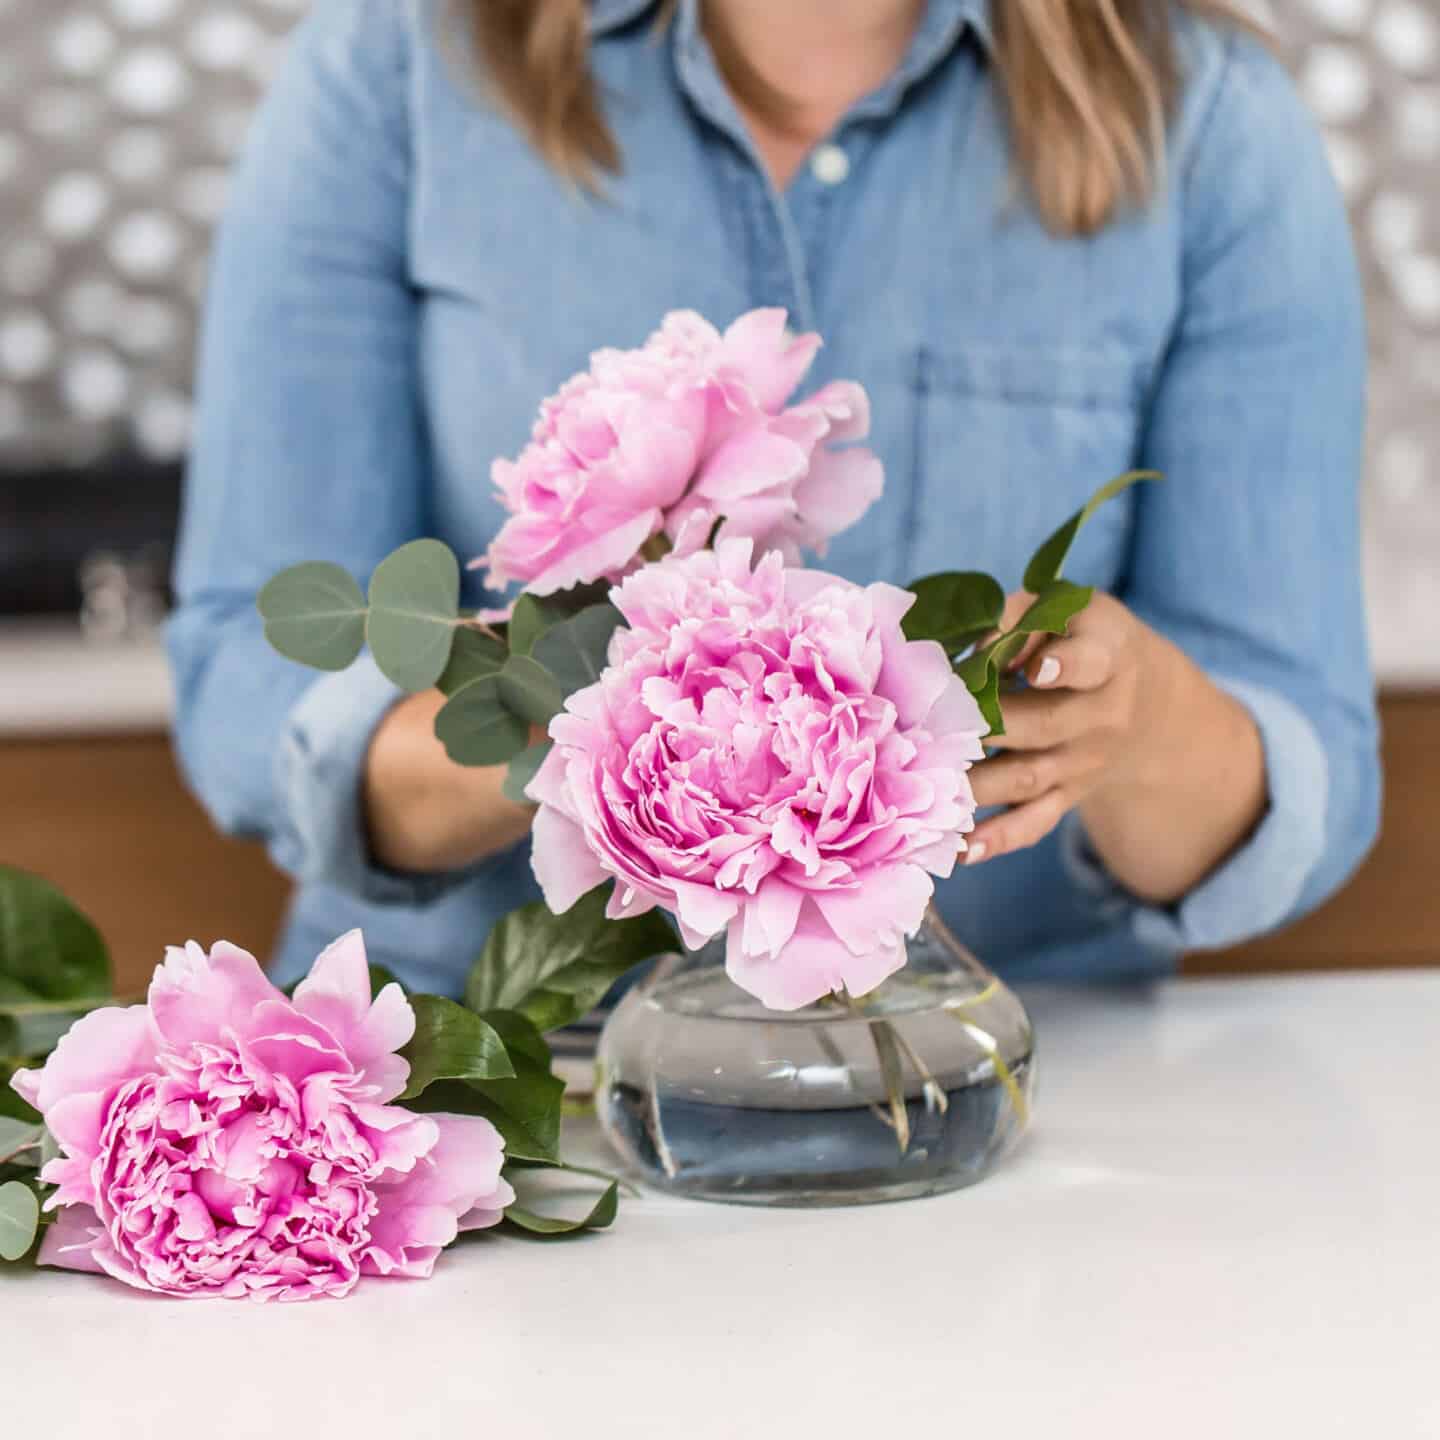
[[830, 164]]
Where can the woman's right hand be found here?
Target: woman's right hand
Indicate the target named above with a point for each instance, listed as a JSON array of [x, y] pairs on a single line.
[[425, 813]]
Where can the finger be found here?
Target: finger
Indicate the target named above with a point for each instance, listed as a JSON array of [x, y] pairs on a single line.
[[1017, 829], [1025, 775], [1076, 663], [1044, 719]]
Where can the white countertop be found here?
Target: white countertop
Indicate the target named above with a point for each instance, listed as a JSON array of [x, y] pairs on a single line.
[[1226, 1225], [53, 681]]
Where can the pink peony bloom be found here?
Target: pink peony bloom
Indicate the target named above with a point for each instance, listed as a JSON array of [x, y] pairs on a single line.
[[689, 429], [765, 754], [223, 1140]]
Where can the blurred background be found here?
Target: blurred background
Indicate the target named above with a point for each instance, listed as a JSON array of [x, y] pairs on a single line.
[[118, 120]]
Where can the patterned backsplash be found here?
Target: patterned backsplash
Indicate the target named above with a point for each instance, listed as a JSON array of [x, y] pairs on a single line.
[[118, 119]]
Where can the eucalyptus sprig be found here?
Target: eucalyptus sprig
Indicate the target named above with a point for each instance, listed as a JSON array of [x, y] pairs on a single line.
[[963, 609], [501, 680]]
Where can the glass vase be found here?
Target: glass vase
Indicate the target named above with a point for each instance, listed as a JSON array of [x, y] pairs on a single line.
[[914, 1089]]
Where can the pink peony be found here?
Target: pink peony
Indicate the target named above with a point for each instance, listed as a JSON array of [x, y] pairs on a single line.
[[689, 429], [765, 754], [223, 1140]]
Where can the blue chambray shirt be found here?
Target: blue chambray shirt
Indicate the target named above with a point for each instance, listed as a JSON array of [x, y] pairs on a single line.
[[400, 280]]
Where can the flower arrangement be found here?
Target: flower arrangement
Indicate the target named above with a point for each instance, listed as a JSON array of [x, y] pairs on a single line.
[[731, 740]]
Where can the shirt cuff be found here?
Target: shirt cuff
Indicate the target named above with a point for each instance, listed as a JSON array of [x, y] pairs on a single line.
[[322, 839], [1260, 885]]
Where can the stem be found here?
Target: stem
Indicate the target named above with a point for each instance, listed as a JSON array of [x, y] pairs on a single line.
[[20, 1150], [657, 547], [68, 1007], [604, 1175]]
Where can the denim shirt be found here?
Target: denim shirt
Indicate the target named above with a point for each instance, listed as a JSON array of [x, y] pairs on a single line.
[[400, 279]]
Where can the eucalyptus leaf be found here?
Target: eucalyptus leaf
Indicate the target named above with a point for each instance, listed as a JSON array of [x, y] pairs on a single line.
[[19, 1219], [12, 1107], [49, 951], [17, 1139], [530, 690], [473, 655], [315, 613], [1054, 608], [575, 650], [549, 1227], [523, 769], [1044, 567], [451, 1043], [414, 606], [478, 728], [555, 968], [532, 616], [954, 608]]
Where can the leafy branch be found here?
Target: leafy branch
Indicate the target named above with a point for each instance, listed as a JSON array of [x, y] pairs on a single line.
[[500, 680], [963, 609]]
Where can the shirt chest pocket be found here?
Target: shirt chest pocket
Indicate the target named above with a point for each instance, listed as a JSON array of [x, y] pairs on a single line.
[[1011, 439]]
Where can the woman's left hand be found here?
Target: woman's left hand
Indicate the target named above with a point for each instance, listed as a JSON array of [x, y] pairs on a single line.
[[1119, 722]]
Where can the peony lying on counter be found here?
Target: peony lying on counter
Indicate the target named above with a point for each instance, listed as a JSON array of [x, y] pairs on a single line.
[[221, 1139]]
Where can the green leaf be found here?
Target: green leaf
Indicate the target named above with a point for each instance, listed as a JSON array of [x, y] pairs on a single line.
[[19, 1138], [315, 613], [555, 968], [1044, 567], [19, 1220], [532, 616], [529, 690], [520, 1036], [954, 608], [1054, 608], [522, 771], [600, 1216], [473, 655], [526, 1110], [981, 673], [414, 605], [478, 728], [574, 651], [12, 1107], [49, 951], [451, 1043], [380, 977]]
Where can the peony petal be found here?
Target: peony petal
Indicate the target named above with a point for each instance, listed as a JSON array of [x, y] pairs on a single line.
[[100, 1051], [564, 864], [608, 554], [71, 1241], [838, 487], [200, 997]]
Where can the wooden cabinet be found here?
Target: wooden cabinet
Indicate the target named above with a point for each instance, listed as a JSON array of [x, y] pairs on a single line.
[[110, 822]]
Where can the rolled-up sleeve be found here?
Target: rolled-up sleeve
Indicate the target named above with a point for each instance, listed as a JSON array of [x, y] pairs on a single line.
[[310, 443], [1247, 556]]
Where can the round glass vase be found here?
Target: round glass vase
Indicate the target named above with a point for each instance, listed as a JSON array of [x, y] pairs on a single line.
[[915, 1089]]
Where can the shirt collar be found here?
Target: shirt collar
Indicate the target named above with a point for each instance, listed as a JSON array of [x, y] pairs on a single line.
[[942, 18]]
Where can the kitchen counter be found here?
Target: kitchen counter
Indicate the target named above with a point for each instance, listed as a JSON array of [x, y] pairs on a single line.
[[1223, 1225], [53, 681]]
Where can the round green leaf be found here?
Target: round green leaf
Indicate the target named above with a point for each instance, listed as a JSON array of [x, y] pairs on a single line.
[[575, 650], [478, 728], [530, 690], [473, 655], [523, 769], [19, 1220], [414, 606], [315, 613]]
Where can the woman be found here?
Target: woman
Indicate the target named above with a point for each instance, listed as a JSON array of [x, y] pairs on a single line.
[[1054, 238]]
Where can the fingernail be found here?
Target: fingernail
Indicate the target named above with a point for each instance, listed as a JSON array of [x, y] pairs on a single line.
[[1049, 671], [976, 853]]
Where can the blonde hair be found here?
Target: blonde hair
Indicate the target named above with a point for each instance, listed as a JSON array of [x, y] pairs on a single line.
[[1089, 87]]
